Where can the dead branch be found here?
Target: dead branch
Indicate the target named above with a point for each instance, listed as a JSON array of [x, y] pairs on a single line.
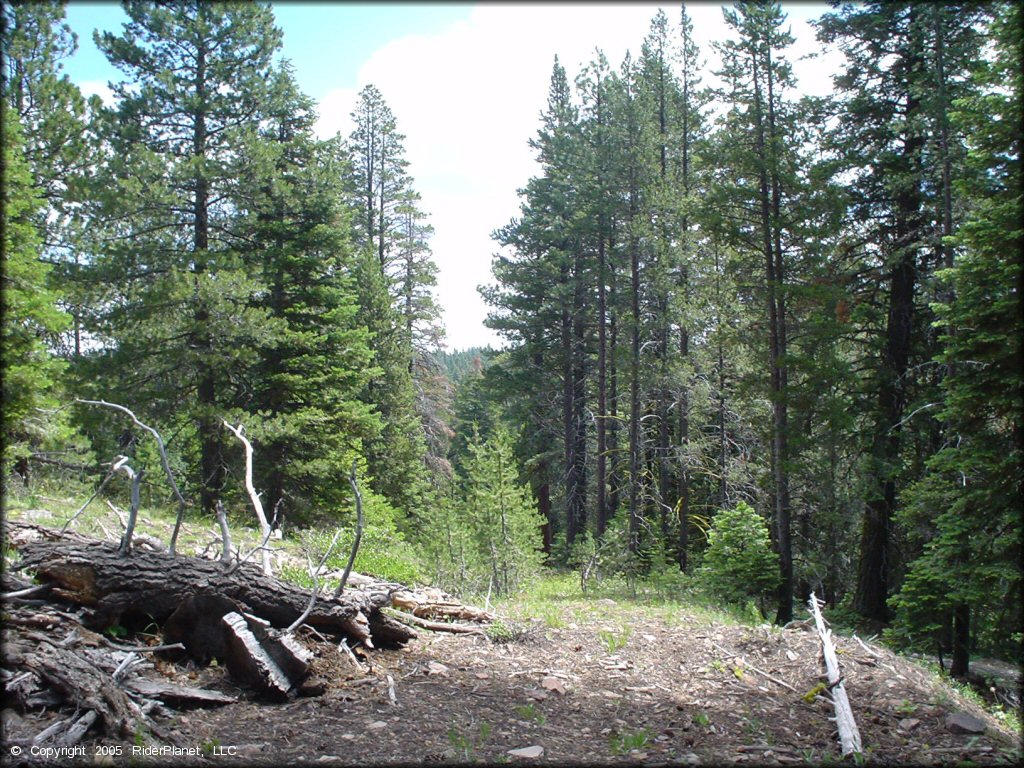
[[133, 512], [163, 461], [359, 532], [752, 668], [434, 626], [315, 574], [118, 461], [849, 736], [253, 496], [225, 534], [18, 594]]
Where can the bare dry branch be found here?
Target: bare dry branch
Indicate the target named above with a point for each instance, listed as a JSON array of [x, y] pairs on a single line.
[[163, 461], [257, 505], [359, 532]]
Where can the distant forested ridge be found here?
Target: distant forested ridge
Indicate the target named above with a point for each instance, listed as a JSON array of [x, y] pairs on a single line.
[[802, 312]]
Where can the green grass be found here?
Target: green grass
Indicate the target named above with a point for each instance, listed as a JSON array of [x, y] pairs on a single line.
[[466, 742], [532, 713], [624, 743], [614, 640], [556, 598]]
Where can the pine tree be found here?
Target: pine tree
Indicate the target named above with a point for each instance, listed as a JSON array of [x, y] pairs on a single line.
[[380, 180], [966, 584], [180, 329], [890, 139], [541, 304], [30, 314], [504, 523], [758, 74], [59, 145], [303, 404]]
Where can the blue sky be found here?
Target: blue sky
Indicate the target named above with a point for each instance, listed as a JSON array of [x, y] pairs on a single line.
[[467, 83], [326, 42]]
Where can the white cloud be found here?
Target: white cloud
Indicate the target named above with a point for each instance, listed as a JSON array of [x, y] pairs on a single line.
[[97, 88], [468, 100]]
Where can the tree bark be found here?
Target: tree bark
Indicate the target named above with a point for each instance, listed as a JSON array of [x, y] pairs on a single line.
[[152, 587], [870, 599]]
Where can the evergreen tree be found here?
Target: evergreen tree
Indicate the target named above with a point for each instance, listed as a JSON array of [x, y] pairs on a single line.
[[304, 389], [59, 145], [31, 372], [380, 181], [966, 583], [762, 162], [739, 563], [540, 305], [889, 141], [504, 523], [180, 329], [395, 456]]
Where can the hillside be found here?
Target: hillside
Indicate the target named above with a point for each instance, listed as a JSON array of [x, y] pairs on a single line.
[[570, 679]]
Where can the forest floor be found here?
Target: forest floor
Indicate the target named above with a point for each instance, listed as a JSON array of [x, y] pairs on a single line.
[[581, 680], [608, 682]]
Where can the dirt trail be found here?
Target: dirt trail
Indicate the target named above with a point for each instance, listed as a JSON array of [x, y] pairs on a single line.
[[674, 692]]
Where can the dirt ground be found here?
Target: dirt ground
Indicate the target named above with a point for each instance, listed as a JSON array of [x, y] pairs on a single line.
[[595, 683]]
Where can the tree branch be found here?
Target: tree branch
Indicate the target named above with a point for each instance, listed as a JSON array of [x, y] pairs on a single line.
[[163, 461], [253, 496], [359, 532]]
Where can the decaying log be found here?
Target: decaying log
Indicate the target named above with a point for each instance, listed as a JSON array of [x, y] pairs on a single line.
[[271, 665], [849, 735], [79, 682], [152, 587], [179, 694]]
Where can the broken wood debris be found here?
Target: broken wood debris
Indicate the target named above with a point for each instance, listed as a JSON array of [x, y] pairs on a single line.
[[849, 735]]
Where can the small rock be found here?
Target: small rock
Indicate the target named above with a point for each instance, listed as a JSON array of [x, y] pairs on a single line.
[[907, 724], [537, 694], [527, 752], [482, 676], [961, 722], [552, 683], [690, 759], [650, 638], [436, 668], [376, 726]]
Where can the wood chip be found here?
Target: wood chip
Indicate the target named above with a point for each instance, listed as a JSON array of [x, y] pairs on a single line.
[[527, 752]]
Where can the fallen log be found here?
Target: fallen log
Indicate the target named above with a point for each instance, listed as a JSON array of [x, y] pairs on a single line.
[[78, 682], [434, 626], [151, 586], [849, 735]]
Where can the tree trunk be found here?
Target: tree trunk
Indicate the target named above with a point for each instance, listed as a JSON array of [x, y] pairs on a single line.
[[151, 587], [602, 387], [870, 599], [960, 665]]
